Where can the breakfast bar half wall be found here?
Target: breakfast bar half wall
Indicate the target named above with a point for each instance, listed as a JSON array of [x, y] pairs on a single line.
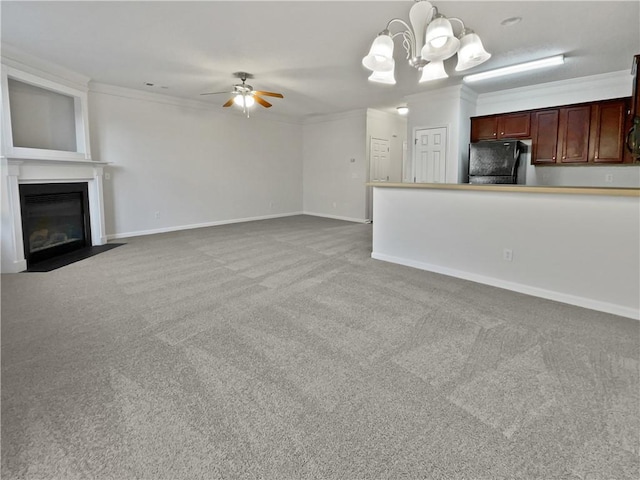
[[575, 245]]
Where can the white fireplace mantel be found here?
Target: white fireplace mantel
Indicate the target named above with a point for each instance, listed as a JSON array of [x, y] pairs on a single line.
[[32, 171]]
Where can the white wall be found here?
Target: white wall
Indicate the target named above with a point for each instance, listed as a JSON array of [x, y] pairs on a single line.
[[444, 107], [191, 164], [335, 166], [577, 249]]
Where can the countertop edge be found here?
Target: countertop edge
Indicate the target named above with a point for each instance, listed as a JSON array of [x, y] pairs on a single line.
[[615, 192]]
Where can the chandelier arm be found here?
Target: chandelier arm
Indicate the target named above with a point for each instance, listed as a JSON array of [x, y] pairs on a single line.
[[408, 42], [409, 38]]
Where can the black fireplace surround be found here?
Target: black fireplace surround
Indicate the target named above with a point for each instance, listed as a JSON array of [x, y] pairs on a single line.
[[55, 219]]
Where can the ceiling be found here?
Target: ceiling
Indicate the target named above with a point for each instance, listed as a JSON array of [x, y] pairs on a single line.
[[310, 51]]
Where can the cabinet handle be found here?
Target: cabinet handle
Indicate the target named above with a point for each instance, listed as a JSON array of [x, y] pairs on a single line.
[[553, 158], [501, 133]]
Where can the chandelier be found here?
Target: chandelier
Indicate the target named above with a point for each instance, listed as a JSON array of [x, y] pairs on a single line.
[[429, 41]]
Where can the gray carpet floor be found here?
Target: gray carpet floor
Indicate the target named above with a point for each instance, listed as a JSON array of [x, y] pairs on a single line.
[[279, 349]]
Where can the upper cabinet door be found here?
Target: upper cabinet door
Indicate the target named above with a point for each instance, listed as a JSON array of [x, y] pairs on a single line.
[[484, 128], [544, 136], [514, 125], [573, 135], [608, 131]]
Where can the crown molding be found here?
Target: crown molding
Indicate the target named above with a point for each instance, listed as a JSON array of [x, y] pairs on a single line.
[[360, 113], [591, 88], [20, 60], [139, 95], [444, 93]]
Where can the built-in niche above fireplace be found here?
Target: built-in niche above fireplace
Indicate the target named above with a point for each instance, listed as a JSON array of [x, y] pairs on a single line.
[[45, 140], [55, 219]]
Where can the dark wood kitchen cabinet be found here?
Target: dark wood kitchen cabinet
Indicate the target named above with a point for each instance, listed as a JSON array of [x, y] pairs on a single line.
[[560, 135], [544, 136], [608, 121], [573, 134], [498, 127], [484, 128], [580, 134]]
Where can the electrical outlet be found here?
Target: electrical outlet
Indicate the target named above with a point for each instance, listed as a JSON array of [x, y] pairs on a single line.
[[507, 255], [608, 178], [107, 176], [335, 204], [156, 215]]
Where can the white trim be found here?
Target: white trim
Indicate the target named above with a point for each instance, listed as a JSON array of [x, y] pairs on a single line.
[[140, 233], [338, 217], [513, 286], [81, 118]]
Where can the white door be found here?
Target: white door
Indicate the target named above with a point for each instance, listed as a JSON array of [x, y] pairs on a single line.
[[430, 155], [379, 158]]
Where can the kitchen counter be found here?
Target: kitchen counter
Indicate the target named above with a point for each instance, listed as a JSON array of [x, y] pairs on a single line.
[[576, 245], [616, 192]]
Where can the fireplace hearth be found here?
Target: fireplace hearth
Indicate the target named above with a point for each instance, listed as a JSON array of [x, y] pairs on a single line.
[[55, 220]]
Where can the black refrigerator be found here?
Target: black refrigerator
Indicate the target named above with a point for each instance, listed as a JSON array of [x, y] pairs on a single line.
[[495, 161]]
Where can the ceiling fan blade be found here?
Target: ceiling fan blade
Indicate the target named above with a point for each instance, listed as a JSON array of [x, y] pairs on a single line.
[[268, 94], [229, 102], [261, 101], [215, 93]]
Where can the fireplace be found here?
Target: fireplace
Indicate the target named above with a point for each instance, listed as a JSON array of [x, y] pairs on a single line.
[[55, 219]]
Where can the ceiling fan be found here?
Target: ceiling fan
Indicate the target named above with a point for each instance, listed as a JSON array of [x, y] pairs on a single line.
[[244, 95]]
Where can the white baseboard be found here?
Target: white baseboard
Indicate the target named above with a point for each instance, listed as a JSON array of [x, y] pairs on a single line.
[[516, 287], [337, 217], [140, 233]]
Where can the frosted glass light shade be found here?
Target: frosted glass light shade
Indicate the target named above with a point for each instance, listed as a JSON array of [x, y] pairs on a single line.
[[246, 101], [439, 54], [383, 77], [471, 53], [433, 71], [438, 32], [380, 57]]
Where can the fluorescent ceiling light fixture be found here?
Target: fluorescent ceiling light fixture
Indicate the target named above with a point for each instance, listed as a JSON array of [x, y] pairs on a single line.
[[521, 67], [402, 110]]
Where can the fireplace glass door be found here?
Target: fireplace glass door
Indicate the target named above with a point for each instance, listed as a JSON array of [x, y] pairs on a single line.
[[55, 220]]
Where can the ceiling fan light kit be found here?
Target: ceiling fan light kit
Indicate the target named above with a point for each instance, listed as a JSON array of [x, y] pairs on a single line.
[[429, 39], [244, 96]]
